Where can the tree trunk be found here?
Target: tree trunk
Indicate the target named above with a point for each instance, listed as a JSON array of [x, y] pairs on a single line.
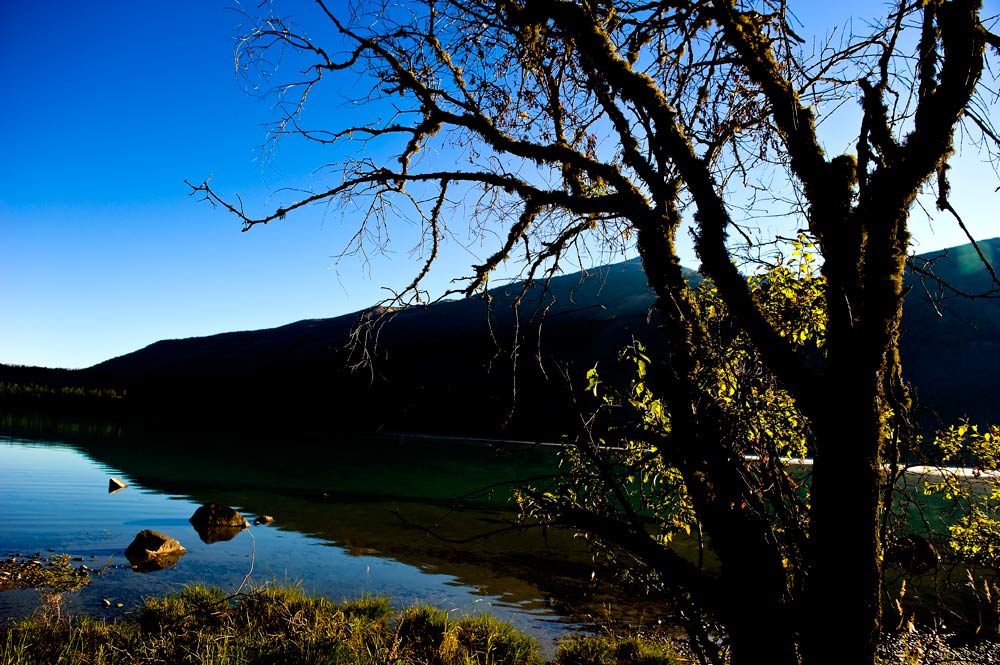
[[755, 598], [760, 628], [843, 587]]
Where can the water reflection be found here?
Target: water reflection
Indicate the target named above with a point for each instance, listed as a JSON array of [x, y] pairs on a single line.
[[217, 534], [427, 503]]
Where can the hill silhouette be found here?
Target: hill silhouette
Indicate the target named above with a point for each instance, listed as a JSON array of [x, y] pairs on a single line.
[[454, 368], [950, 345]]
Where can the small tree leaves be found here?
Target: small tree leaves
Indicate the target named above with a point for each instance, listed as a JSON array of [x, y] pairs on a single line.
[[623, 467], [969, 480]]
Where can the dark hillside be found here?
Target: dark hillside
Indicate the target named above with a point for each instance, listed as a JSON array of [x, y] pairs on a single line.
[[445, 368], [951, 342]]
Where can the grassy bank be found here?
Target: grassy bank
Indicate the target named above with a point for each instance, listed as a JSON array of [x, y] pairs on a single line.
[[282, 625]]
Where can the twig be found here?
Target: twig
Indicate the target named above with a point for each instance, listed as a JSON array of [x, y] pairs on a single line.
[[253, 552]]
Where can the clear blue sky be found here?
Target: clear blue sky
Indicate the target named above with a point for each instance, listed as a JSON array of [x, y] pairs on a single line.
[[108, 108]]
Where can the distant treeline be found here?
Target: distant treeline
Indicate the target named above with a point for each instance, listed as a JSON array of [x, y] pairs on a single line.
[[42, 392]]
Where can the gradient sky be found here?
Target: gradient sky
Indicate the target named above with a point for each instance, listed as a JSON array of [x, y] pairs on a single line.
[[108, 108]]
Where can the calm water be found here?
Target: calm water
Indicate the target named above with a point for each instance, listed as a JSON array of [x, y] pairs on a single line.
[[352, 518]]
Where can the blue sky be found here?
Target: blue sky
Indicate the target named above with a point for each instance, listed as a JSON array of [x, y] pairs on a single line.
[[108, 108]]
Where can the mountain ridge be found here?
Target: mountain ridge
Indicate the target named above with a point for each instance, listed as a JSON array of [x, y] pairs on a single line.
[[454, 367]]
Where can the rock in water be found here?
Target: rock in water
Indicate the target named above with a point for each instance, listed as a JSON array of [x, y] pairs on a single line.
[[116, 485], [263, 519], [152, 550], [215, 522], [214, 514]]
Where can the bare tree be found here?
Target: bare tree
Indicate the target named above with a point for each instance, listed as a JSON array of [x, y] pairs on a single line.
[[554, 126]]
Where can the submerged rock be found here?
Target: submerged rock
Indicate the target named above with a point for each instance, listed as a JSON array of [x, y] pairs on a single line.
[[116, 485], [152, 550], [215, 522]]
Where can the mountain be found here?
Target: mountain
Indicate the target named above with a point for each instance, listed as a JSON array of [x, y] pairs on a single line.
[[450, 368], [951, 342], [446, 368]]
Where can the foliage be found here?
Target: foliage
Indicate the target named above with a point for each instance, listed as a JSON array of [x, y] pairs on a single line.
[[791, 297], [972, 484], [615, 468], [976, 538]]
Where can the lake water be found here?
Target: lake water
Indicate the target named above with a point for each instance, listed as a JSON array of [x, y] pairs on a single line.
[[352, 517], [420, 520]]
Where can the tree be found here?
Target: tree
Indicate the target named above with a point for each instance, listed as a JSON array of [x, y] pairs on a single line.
[[626, 495], [565, 125]]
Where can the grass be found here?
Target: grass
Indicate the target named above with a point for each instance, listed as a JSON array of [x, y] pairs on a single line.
[[273, 625], [588, 650]]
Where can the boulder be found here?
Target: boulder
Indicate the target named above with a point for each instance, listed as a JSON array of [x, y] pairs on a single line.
[[152, 550], [914, 554], [116, 485], [263, 519], [215, 522], [214, 514]]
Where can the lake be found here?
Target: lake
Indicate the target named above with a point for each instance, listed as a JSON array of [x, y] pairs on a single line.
[[404, 517]]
